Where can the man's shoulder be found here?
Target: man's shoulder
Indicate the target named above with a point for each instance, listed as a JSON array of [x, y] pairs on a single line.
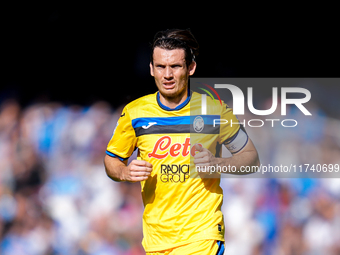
[[141, 106], [146, 100]]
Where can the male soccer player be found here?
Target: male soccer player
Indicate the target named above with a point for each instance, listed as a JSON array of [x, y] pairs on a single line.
[[182, 212]]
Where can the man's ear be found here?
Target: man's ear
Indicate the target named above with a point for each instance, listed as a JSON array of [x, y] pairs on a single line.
[[151, 69], [192, 68]]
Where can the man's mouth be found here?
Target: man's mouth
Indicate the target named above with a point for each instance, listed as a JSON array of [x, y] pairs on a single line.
[[169, 84]]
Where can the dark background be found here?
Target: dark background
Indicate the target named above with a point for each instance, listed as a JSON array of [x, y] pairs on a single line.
[[80, 54]]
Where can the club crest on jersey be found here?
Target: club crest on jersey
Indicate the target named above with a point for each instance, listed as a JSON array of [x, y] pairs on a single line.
[[198, 124]]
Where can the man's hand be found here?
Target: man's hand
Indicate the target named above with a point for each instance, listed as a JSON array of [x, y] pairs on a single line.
[[137, 170], [204, 157], [203, 160]]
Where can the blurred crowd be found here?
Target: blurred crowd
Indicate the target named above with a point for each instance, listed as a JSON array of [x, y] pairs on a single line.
[[55, 197]]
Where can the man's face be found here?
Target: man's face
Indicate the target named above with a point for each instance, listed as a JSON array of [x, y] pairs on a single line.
[[171, 72]]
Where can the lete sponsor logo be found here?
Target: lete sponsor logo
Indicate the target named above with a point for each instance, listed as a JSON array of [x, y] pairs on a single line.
[[164, 147]]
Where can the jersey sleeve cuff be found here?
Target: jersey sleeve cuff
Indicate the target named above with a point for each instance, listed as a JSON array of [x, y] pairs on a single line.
[[115, 156]]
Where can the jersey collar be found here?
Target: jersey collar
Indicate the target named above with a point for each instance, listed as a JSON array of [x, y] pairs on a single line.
[[178, 107]]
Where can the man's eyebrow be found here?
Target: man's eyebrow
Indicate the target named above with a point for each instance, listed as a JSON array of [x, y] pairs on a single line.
[[170, 64]]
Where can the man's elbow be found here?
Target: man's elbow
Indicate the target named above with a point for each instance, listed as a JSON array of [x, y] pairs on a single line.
[[252, 167], [257, 161], [109, 168]]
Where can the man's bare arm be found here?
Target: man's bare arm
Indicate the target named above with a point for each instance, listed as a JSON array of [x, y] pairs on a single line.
[[137, 170], [248, 156]]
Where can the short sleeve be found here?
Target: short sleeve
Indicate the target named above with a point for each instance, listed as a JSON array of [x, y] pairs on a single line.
[[229, 126], [233, 135], [123, 140]]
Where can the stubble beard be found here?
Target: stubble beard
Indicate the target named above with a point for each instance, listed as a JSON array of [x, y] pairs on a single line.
[[175, 96]]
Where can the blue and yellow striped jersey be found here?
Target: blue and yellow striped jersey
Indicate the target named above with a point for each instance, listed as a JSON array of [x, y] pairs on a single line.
[[180, 207]]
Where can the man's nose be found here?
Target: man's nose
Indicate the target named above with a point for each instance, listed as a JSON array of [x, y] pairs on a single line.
[[168, 73]]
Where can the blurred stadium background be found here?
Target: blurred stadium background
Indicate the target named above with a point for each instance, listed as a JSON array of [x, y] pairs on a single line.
[[68, 72]]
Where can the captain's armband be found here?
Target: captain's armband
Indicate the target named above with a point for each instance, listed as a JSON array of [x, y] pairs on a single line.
[[237, 142]]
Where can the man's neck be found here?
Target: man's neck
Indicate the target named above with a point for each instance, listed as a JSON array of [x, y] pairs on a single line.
[[172, 103]]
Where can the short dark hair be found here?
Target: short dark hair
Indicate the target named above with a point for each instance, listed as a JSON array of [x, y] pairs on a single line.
[[177, 39]]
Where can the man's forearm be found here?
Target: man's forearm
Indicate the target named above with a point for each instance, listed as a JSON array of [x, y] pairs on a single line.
[[248, 157], [114, 168], [137, 170]]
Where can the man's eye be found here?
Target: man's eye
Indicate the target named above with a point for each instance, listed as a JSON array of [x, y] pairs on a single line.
[[160, 66]]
